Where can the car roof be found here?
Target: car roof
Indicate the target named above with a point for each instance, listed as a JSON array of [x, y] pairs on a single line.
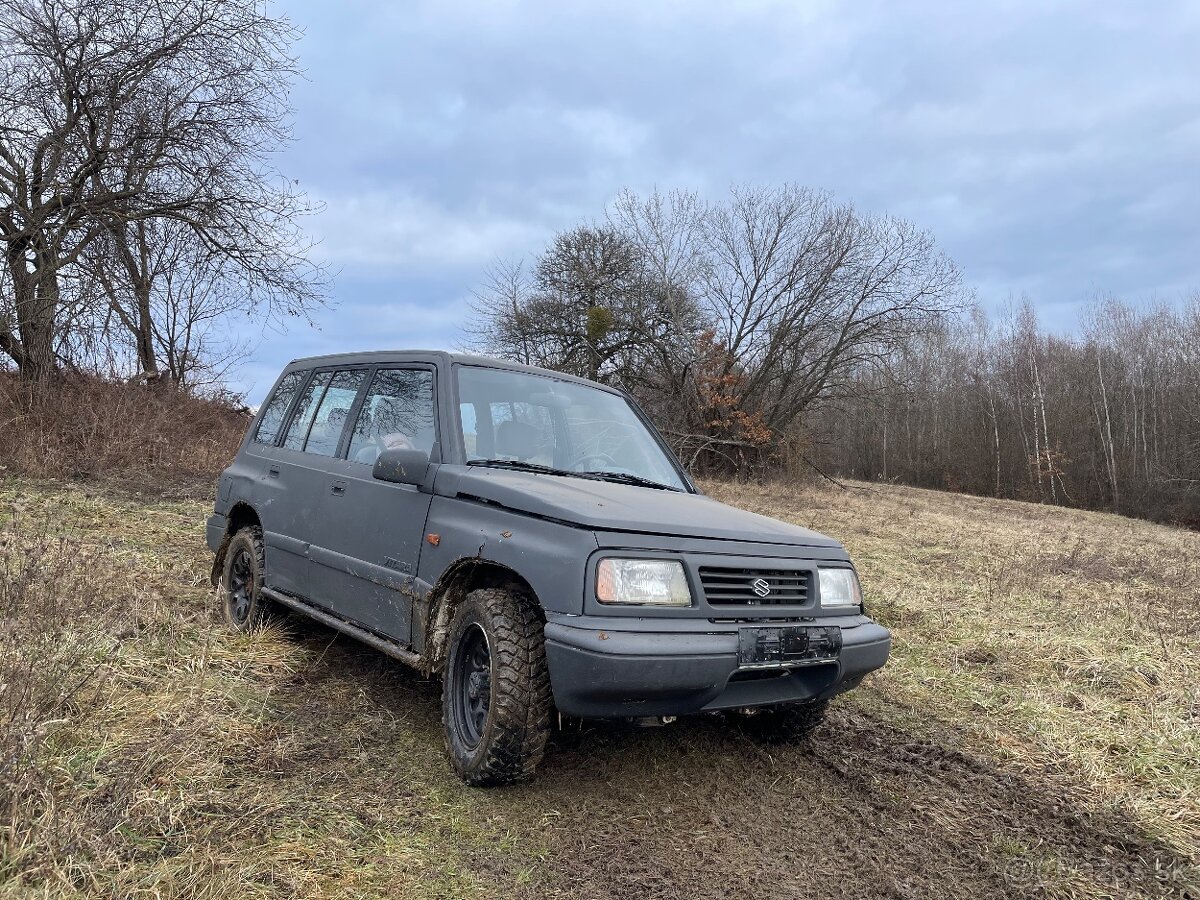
[[444, 357]]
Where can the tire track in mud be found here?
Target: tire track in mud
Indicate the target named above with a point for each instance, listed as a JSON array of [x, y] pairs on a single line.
[[863, 810]]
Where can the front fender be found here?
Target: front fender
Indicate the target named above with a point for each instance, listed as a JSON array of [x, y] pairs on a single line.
[[551, 556]]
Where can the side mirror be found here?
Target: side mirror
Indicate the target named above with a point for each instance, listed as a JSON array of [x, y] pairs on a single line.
[[402, 466]]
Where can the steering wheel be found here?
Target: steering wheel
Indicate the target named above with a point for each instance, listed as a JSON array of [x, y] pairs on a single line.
[[581, 463]]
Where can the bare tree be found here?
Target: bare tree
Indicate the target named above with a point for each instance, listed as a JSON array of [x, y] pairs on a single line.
[[500, 324], [114, 112], [729, 321], [171, 301], [804, 291], [667, 232], [798, 294], [590, 307]]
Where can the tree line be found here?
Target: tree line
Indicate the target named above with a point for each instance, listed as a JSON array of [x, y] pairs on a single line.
[[781, 329], [1106, 418], [140, 217]]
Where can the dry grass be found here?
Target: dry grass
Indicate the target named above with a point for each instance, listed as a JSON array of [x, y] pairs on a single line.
[[1063, 641], [1035, 734], [82, 426]]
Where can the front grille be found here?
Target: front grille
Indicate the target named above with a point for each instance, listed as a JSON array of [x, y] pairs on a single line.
[[755, 587]]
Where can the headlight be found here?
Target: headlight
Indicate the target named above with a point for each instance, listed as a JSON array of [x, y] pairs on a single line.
[[839, 588], [644, 582]]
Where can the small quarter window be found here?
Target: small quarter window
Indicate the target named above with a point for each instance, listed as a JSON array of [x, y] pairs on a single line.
[[276, 408]]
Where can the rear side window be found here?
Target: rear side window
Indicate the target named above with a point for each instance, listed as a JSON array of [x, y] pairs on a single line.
[[306, 409], [325, 433], [397, 414], [276, 408]]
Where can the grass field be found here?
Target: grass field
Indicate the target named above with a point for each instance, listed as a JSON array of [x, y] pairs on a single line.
[[1037, 732]]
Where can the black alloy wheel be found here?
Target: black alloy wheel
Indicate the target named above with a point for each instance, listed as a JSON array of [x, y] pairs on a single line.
[[242, 605], [496, 698], [472, 694], [241, 586]]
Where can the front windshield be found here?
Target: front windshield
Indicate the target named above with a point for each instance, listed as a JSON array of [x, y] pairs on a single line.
[[532, 421]]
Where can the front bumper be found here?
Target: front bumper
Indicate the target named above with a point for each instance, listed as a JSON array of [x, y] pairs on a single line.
[[629, 667]]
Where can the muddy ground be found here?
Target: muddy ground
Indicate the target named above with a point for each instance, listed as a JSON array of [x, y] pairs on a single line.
[[866, 808]]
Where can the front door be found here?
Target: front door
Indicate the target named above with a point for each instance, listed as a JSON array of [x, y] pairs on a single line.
[[372, 533]]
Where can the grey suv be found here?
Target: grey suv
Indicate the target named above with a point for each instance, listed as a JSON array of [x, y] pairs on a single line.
[[529, 537]]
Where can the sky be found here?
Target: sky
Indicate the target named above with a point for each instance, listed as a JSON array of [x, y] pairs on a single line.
[[1050, 147]]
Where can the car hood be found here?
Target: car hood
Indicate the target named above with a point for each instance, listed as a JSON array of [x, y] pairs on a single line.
[[607, 506]]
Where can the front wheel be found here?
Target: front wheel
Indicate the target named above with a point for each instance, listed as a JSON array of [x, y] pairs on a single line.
[[783, 723], [496, 699]]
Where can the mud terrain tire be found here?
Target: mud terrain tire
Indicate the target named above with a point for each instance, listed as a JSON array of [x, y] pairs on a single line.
[[240, 587], [496, 699]]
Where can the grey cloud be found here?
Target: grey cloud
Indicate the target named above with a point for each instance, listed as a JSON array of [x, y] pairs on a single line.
[[1051, 148]]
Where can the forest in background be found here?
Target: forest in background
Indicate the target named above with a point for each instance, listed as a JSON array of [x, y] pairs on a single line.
[[1106, 417], [782, 331]]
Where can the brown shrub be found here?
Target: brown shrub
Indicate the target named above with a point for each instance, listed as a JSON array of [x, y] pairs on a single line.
[[83, 426]]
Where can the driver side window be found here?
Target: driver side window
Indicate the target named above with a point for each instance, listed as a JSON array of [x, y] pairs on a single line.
[[397, 414]]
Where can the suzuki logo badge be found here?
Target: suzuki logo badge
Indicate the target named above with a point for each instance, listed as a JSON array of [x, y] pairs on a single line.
[[761, 586]]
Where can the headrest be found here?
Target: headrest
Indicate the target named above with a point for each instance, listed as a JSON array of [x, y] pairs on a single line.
[[517, 439]]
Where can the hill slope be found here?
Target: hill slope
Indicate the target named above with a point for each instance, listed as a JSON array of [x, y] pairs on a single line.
[[1037, 732]]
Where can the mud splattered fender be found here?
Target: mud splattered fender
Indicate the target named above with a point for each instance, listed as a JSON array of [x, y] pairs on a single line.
[[549, 555]]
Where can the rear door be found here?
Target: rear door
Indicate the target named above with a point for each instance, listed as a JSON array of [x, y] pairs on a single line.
[[270, 496], [372, 531], [296, 485]]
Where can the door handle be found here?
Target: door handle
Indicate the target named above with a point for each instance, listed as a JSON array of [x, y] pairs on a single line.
[[338, 489], [273, 472]]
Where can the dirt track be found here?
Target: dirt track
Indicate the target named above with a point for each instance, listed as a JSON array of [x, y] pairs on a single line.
[[695, 810]]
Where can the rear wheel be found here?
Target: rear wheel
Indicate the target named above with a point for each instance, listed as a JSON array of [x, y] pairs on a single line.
[[240, 590], [496, 699], [784, 722]]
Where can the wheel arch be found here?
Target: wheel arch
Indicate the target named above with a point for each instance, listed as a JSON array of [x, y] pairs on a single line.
[[241, 515], [460, 578]]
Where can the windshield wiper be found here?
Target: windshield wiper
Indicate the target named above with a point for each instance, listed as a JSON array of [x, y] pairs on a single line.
[[627, 478], [520, 465]]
